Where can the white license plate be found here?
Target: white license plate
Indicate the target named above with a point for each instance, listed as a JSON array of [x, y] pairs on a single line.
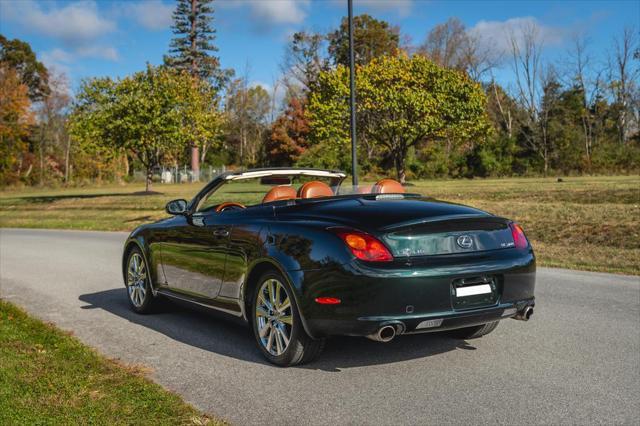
[[473, 290]]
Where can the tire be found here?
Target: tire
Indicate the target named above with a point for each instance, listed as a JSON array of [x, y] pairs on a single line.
[[474, 332], [138, 283], [275, 318]]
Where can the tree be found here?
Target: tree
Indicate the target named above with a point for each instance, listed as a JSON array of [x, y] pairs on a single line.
[[18, 55], [192, 50], [532, 85], [150, 114], [303, 59], [247, 109], [445, 44], [408, 100], [52, 121], [624, 74], [16, 119], [372, 38], [289, 134], [588, 87], [450, 45]]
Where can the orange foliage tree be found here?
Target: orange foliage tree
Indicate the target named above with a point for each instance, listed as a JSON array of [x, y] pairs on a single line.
[[16, 118], [288, 135]]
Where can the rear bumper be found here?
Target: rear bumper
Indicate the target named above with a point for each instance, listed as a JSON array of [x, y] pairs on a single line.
[[410, 324], [409, 295]]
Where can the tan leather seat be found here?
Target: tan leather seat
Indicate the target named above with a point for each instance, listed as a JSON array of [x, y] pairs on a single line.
[[315, 189], [364, 189], [282, 192], [388, 186]]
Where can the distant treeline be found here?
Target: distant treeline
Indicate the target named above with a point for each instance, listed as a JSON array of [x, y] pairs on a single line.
[[434, 109]]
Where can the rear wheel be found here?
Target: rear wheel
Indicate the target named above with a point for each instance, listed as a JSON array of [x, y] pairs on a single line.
[[277, 325], [475, 331], [138, 283]]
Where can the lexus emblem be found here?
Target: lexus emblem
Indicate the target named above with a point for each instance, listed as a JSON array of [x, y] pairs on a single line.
[[465, 241]]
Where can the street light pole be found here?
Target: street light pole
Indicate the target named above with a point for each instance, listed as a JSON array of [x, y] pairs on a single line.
[[352, 100]]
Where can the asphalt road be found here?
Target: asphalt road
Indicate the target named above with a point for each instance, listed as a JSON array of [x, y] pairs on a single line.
[[577, 361]]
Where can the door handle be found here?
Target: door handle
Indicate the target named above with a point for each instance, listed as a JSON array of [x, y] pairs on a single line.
[[221, 232]]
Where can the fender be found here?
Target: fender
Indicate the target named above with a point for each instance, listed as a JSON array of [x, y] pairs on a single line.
[[139, 241], [294, 279]]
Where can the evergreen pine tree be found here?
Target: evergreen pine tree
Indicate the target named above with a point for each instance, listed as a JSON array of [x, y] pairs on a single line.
[[192, 48]]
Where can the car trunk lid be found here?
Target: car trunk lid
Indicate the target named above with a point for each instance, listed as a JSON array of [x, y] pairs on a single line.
[[448, 235]]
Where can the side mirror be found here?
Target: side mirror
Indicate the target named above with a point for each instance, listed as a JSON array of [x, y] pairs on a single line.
[[176, 207]]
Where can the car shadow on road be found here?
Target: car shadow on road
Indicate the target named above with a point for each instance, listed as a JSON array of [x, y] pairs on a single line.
[[221, 334]]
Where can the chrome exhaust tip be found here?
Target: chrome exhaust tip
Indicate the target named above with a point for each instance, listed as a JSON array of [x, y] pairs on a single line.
[[386, 333], [525, 314]]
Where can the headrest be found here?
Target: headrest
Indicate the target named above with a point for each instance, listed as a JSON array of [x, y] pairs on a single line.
[[315, 189], [281, 192], [388, 186]]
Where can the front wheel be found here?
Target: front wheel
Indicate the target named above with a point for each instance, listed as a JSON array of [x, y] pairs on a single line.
[[474, 332], [138, 283], [277, 325]]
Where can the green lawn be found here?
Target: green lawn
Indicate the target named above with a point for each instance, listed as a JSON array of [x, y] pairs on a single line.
[[589, 223], [49, 377]]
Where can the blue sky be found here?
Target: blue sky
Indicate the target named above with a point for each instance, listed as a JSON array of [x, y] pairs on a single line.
[[115, 37]]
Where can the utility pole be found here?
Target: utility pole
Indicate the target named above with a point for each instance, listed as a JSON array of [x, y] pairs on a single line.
[[352, 99]]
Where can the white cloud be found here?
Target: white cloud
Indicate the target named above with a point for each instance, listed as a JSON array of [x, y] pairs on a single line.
[[74, 24], [280, 11], [57, 59], [401, 7], [268, 13], [77, 26], [151, 14], [100, 52], [60, 58], [498, 34], [57, 55]]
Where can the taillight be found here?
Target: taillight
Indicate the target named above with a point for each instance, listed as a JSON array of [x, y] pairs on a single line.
[[519, 239], [364, 246]]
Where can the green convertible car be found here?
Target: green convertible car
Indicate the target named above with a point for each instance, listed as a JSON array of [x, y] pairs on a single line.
[[302, 258]]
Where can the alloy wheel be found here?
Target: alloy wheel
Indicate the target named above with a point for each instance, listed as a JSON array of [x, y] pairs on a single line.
[[136, 280], [273, 316]]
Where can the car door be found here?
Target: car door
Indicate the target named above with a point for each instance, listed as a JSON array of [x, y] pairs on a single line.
[[194, 255]]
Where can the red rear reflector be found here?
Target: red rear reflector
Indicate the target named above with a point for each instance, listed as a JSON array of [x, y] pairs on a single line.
[[327, 300], [519, 239], [364, 246]]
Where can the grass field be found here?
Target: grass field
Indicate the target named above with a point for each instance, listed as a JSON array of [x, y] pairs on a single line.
[[49, 377], [590, 223]]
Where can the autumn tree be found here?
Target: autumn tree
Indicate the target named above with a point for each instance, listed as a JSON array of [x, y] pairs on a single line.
[[15, 121], [372, 38], [289, 133], [409, 100], [18, 55]]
